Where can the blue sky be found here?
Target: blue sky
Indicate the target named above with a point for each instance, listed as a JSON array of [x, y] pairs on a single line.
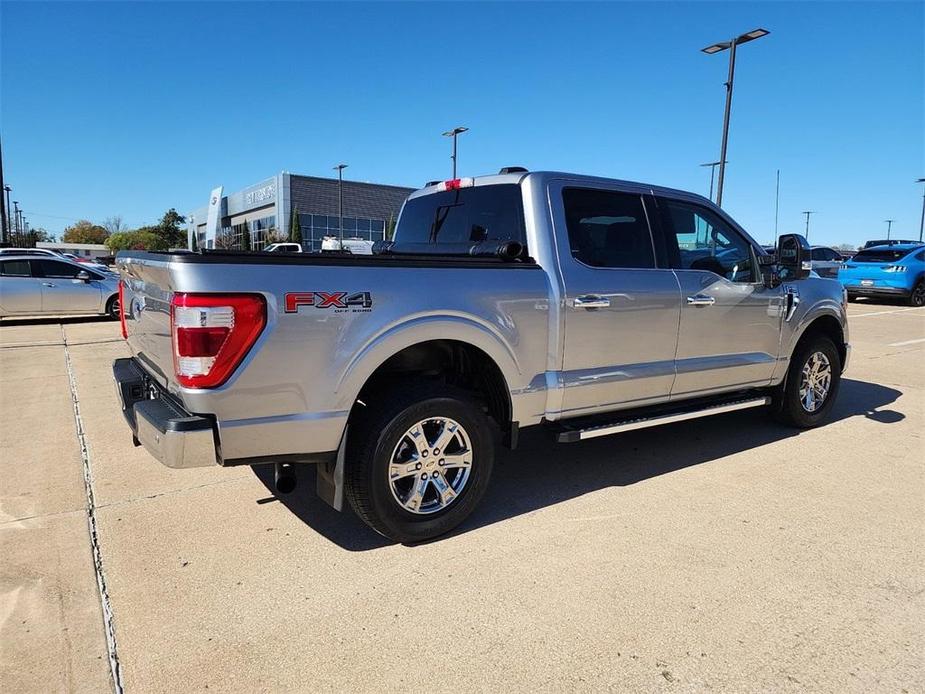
[[131, 108]]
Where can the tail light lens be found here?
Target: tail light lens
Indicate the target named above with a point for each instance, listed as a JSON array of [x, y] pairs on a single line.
[[212, 333]]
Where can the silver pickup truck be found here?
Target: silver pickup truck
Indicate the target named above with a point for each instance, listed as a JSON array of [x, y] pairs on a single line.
[[587, 306]]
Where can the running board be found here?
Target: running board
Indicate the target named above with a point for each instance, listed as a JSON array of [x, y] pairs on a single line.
[[577, 434]]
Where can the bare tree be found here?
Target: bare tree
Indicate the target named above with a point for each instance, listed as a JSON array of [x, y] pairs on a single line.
[[114, 224], [224, 239]]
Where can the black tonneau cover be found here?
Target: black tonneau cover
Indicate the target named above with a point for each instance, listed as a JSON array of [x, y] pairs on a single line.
[[227, 257]]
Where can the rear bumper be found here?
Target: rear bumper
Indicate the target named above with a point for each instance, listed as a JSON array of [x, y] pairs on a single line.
[[858, 290], [175, 437]]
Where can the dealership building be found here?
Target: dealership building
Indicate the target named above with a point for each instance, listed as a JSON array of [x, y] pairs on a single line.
[[264, 211]]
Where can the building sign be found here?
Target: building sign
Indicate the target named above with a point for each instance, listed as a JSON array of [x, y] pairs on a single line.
[[260, 196], [215, 212]]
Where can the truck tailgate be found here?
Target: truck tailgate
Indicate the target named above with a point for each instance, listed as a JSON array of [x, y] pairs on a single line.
[[148, 314]]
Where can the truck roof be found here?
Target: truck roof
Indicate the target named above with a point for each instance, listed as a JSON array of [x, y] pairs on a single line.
[[541, 176]]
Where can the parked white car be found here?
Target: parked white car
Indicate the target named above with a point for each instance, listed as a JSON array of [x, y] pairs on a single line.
[[284, 247], [354, 245]]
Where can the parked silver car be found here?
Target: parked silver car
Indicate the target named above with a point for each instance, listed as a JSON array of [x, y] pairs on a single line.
[[33, 285]]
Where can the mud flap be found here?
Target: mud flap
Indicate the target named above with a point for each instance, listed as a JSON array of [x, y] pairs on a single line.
[[329, 483]]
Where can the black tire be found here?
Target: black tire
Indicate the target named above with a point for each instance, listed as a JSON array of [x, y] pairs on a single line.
[[787, 405], [113, 307], [917, 297], [376, 432]]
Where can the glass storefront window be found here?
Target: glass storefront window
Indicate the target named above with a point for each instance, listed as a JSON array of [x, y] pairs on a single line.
[[377, 225], [350, 224]]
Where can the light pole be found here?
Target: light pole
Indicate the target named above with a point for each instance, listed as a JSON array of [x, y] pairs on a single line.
[[7, 215], [889, 227], [712, 165], [454, 133], [776, 204], [717, 48], [807, 213], [4, 204], [15, 220], [922, 223], [340, 200]]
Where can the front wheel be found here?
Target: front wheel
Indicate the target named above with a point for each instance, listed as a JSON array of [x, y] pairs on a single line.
[[419, 461], [806, 398], [917, 297], [114, 308]]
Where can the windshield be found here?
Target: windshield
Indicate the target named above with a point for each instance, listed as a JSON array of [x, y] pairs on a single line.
[[880, 256], [465, 216]]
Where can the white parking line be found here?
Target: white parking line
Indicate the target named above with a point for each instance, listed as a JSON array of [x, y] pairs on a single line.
[[907, 342], [883, 313]]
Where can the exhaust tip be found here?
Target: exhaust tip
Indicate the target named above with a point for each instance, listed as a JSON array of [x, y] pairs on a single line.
[[284, 478]]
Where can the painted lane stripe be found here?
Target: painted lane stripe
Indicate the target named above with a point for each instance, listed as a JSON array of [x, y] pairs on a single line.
[[907, 342], [852, 316]]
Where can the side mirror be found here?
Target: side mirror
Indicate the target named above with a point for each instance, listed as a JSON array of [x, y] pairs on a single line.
[[83, 275], [793, 257]]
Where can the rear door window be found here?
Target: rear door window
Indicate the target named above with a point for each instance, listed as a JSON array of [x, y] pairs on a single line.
[[15, 268], [458, 218], [608, 228]]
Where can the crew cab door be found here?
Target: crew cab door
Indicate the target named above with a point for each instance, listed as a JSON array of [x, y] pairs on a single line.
[[621, 309], [729, 336]]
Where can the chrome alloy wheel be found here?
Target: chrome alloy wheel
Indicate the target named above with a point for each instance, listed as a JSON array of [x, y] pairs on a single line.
[[430, 465], [815, 381]]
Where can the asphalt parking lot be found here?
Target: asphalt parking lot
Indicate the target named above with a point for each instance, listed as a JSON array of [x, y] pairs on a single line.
[[728, 553]]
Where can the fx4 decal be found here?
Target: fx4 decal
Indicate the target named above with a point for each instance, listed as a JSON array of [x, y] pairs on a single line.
[[339, 301]]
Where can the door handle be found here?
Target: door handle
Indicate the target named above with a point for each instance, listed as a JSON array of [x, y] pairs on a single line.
[[591, 301], [700, 300], [48, 284]]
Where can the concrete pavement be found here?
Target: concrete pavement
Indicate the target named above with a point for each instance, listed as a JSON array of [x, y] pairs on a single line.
[[727, 553]]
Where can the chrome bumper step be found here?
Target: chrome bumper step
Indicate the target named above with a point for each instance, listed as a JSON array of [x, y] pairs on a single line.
[[571, 433]]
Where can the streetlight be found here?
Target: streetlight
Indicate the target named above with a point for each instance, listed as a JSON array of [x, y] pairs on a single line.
[[7, 215], [889, 227], [340, 200], [922, 223], [712, 165], [15, 231], [807, 213], [454, 133], [717, 48]]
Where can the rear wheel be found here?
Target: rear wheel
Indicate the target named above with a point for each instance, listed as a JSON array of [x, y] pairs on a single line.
[[420, 465], [917, 297], [807, 396], [113, 308]]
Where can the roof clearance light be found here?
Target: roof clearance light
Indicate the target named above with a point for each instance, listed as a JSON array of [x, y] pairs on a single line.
[[456, 184]]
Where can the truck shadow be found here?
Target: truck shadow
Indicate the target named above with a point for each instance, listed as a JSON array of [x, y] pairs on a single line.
[[54, 320], [540, 474]]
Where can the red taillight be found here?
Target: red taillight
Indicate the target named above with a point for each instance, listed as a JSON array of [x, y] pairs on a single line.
[[212, 333], [122, 310]]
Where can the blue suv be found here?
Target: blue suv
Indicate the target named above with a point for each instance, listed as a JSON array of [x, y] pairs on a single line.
[[896, 271]]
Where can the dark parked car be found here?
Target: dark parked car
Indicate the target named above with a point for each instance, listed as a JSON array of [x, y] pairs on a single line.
[[889, 242]]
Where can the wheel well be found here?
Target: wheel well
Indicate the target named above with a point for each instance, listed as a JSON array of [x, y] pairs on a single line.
[[829, 327], [452, 362], [109, 301]]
